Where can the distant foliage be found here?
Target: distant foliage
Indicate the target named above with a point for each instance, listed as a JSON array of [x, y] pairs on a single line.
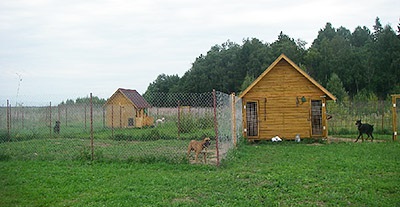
[[85, 100], [363, 60], [335, 86]]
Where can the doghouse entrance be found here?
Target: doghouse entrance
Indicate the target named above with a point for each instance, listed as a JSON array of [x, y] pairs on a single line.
[[252, 119], [316, 117]]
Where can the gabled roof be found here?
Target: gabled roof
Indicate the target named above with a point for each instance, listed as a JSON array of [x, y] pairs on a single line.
[[282, 56], [133, 96]]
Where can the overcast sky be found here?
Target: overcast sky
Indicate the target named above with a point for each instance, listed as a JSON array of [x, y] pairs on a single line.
[[53, 50]]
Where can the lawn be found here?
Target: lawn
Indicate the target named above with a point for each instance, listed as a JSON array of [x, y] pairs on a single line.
[[263, 174]]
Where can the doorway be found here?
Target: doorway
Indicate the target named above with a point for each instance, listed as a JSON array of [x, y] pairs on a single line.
[[316, 118], [252, 119]]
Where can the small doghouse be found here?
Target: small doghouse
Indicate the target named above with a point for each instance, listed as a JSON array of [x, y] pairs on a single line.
[[126, 108], [284, 101]]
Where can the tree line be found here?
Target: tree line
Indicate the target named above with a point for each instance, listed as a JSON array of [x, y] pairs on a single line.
[[362, 64]]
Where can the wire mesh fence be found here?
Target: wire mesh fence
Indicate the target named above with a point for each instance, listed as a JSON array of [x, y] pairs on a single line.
[[344, 115], [120, 130]]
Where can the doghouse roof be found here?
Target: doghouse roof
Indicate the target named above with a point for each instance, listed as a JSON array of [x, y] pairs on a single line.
[[133, 96], [329, 95]]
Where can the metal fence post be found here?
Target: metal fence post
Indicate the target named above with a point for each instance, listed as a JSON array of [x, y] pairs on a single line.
[[179, 120], [91, 125], [112, 120], [66, 115], [85, 115], [104, 117], [50, 120], [216, 125], [8, 120]]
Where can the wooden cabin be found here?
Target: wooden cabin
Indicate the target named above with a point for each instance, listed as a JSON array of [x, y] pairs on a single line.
[[284, 101], [126, 108]]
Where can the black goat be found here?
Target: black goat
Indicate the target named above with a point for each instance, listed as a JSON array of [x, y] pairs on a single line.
[[364, 129]]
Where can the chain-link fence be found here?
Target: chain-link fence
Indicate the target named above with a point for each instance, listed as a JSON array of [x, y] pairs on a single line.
[[343, 116], [121, 129]]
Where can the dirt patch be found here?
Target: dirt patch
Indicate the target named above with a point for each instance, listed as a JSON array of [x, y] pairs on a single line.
[[338, 139], [211, 158]]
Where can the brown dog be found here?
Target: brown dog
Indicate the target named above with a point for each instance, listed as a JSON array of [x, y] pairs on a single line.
[[197, 147]]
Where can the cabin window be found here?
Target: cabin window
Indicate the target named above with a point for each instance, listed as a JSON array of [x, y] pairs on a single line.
[[252, 119], [316, 117], [130, 121]]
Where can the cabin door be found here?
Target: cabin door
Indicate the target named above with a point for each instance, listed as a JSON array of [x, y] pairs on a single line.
[[316, 118], [252, 119]]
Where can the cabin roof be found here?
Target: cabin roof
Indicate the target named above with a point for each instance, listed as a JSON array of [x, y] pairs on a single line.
[[133, 96], [329, 95]]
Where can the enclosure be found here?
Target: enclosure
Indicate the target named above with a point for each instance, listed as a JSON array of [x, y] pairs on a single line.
[[27, 132]]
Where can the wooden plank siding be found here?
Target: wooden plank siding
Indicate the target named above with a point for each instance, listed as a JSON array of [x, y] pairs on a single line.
[[278, 92], [126, 109], [119, 110]]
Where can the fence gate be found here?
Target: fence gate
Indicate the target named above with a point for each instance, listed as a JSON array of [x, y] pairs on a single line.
[[396, 117]]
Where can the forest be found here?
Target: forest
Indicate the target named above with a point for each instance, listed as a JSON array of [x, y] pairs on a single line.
[[362, 64]]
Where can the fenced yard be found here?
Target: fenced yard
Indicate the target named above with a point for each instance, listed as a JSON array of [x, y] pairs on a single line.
[[127, 171], [28, 132]]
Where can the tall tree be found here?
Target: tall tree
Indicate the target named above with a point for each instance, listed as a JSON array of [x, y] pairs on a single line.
[[385, 59], [335, 86], [295, 50], [320, 55], [398, 29], [163, 84], [254, 57], [377, 28]]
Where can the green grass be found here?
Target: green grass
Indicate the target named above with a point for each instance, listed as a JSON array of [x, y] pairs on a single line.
[[191, 130], [172, 151], [264, 174]]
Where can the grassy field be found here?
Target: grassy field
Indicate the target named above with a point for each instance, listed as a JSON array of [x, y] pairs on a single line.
[[263, 174]]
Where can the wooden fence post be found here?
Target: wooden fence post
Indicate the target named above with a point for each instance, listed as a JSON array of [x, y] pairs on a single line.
[[233, 118]]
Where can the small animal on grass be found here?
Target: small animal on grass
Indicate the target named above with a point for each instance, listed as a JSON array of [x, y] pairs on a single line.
[[276, 139], [364, 129], [198, 146], [57, 127], [160, 121]]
